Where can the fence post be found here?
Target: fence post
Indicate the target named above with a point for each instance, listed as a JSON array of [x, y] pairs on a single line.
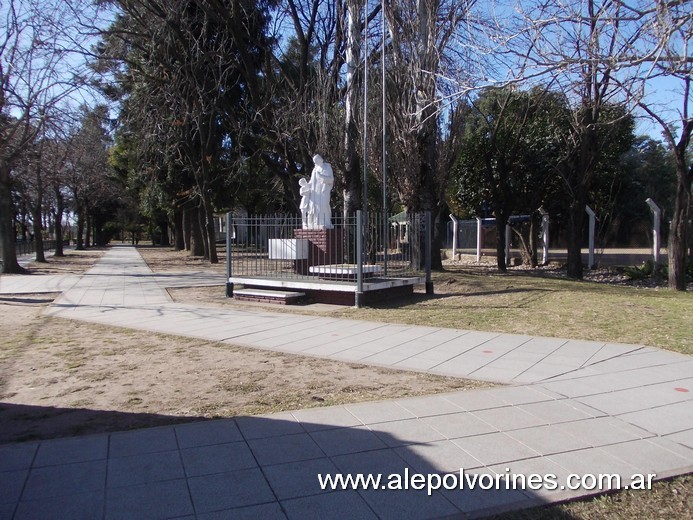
[[229, 228], [545, 220], [455, 229], [657, 214], [479, 230], [428, 239], [359, 259], [592, 217]]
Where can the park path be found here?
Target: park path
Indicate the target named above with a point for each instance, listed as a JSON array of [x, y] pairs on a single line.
[[571, 407]]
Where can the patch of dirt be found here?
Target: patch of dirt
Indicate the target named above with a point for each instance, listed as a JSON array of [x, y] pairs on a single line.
[[165, 259], [74, 262]]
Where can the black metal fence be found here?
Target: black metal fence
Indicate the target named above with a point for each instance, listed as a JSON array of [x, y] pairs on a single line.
[[343, 249], [29, 247]]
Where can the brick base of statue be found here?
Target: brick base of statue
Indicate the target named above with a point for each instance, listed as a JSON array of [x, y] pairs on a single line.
[[326, 247]]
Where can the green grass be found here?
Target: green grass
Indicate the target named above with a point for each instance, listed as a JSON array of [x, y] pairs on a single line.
[[670, 499]]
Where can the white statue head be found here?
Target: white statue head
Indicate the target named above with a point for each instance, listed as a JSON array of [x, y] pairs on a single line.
[[317, 159]]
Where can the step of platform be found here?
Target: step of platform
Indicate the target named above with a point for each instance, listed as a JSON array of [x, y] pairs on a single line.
[[268, 296]]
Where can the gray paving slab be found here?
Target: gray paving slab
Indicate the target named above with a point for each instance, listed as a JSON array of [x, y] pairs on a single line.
[[78, 506], [663, 420], [572, 407]]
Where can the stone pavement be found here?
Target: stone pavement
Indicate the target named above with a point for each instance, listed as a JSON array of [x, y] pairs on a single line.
[[573, 407]]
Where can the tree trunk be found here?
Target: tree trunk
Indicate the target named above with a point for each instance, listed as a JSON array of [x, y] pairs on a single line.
[[197, 246], [7, 235], [59, 209], [187, 228], [576, 219], [87, 238], [179, 240], [678, 231], [163, 228], [210, 228], [501, 222], [80, 229], [38, 231]]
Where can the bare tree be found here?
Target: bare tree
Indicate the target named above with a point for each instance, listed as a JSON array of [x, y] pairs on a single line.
[[599, 54], [669, 34], [428, 66], [38, 72]]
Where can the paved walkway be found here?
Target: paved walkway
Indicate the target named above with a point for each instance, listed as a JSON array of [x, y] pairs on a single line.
[[574, 407]]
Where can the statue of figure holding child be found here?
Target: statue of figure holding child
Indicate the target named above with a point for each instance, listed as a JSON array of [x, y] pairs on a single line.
[[316, 212]]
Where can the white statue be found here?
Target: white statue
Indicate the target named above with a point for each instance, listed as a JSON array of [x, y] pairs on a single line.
[[316, 212], [306, 202]]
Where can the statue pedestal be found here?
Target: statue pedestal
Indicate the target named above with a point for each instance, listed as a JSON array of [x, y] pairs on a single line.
[[326, 247]]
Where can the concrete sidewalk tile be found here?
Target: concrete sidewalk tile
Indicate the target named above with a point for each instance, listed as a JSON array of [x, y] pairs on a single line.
[[377, 412], [298, 479], [516, 395], [543, 345], [510, 418], [400, 504], [495, 448], [663, 420], [286, 448], [437, 457], [595, 462], [417, 363], [466, 363], [461, 424], [152, 500], [73, 449], [149, 440], [536, 478], [338, 504], [405, 432], [315, 419], [579, 387], [11, 485], [477, 400], [644, 360], [379, 461], [217, 458], [559, 411], [547, 440], [341, 441], [7, 511], [653, 456], [261, 427], [229, 490], [602, 431], [685, 438], [67, 479], [612, 350], [270, 511], [478, 502], [428, 406], [144, 468], [78, 506], [492, 372], [207, 432], [635, 399], [17, 456], [388, 358]]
